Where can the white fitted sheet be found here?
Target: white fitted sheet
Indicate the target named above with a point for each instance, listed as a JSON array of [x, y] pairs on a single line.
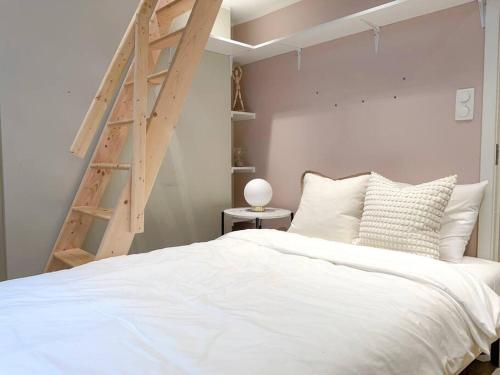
[[486, 270]]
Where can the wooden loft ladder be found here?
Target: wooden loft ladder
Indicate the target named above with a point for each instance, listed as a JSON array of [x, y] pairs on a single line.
[[147, 35]]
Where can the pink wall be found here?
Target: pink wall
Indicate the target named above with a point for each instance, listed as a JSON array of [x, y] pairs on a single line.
[[316, 119], [297, 17]]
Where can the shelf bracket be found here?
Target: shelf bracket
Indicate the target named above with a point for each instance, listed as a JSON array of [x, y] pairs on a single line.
[[376, 34], [299, 59], [482, 12]]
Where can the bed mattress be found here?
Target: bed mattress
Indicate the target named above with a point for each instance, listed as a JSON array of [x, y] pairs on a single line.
[[253, 302]]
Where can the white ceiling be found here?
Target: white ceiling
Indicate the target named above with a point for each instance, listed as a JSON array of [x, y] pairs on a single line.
[[246, 10]]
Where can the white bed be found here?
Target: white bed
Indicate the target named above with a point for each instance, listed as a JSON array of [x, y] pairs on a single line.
[[253, 302], [485, 270]]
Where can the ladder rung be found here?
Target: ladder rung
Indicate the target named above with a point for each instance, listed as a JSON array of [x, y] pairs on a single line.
[[157, 78], [175, 8], [153, 79], [122, 122], [74, 257], [101, 213], [167, 41], [120, 166]]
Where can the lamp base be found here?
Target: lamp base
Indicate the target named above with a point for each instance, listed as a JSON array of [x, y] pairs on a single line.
[[257, 209]]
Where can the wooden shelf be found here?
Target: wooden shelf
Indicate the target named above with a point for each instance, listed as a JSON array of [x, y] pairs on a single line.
[[243, 170], [382, 15], [242, 116]]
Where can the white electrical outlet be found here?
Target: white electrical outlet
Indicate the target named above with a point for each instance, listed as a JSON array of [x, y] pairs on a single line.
[[464, 107]]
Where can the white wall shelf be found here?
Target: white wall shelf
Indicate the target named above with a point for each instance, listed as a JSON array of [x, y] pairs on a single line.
[[242, 116], [243, 170], [382, 15]]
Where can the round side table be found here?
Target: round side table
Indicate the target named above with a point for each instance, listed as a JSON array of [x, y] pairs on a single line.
[[245, 213]]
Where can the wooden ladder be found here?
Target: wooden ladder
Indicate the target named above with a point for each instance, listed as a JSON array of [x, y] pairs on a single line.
[[146, 36]]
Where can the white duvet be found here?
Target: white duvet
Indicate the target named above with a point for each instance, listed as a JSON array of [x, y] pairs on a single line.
[[253, 302]]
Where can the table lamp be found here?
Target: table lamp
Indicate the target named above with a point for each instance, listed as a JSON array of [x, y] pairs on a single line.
[[258, 194]]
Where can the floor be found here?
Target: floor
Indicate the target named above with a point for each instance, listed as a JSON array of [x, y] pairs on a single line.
[[481, 368]]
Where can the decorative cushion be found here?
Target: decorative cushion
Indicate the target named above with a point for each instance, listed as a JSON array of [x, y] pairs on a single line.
[[330, 209], [405, 218], [459, 219]]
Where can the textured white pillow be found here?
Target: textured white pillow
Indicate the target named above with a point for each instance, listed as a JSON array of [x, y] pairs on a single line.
[[459, 220], [330, 209], [404, 218]]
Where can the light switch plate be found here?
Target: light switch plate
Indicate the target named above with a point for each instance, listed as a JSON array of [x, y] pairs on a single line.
[[464, 107]]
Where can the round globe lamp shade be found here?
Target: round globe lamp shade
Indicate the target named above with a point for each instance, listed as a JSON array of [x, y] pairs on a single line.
[[258, 194]]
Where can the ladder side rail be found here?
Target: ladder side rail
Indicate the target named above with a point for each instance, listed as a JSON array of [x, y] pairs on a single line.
[[173, 93], [167, 110], [109, 86], [140, 107]]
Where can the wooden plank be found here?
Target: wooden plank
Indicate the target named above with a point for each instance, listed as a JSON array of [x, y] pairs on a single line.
[[117, 238], [125, 122], [74, 257], [166, 41], [174, 9], [119, 166], [112, 140], [108, 86], [101, 213], [153, 79], [168, 12], [157, 78], [55, 265], [138, 175], [121, 123]]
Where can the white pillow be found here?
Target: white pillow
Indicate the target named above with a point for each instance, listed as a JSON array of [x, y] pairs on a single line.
[[404, 218], [459, 220], [330, 209]]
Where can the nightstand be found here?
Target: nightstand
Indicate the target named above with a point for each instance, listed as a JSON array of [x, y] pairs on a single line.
[[246, 214]]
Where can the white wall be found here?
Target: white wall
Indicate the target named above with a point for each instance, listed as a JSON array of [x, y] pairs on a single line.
[[195, 180], [53, 54]]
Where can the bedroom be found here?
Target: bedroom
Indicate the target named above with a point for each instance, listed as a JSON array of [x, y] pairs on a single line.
[[406, 89]]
